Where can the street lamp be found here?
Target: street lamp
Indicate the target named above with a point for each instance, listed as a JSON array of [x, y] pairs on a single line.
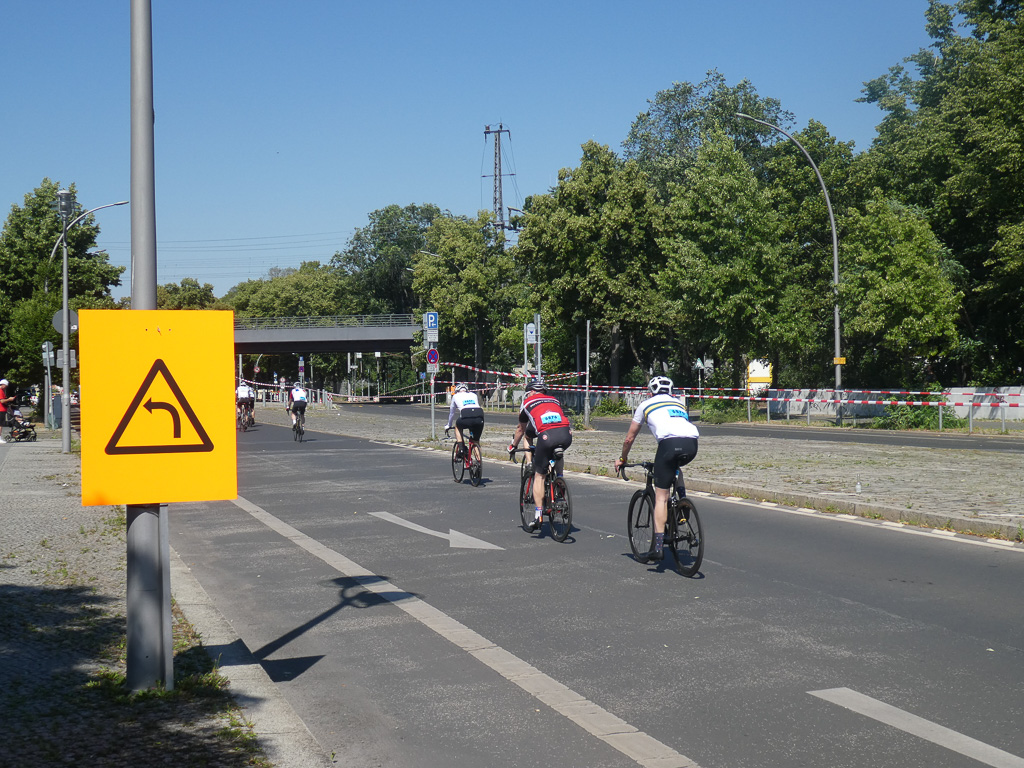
[[66, 207], [835, 240]]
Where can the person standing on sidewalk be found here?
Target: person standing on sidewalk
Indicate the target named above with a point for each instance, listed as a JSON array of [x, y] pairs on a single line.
[[5, 408], [677, 445]]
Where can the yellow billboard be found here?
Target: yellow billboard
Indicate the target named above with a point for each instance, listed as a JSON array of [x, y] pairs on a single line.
[[157, 406]]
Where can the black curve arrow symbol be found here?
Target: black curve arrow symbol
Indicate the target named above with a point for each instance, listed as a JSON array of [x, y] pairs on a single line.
[[150, 405]]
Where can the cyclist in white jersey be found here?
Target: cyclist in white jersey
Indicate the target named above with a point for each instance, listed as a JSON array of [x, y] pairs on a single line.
[[467, 416], [677, 445], [297, 398]]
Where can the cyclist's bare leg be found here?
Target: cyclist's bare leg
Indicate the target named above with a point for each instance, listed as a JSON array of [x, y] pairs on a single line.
[[458, 434], [538, 490], [661, 496]]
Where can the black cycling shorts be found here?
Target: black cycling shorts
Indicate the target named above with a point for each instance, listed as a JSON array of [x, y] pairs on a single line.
[[673, 453], [299, 406], [544, 447], [471, 427]]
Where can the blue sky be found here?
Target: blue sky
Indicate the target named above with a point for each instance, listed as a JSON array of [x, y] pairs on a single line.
[[281, 125]]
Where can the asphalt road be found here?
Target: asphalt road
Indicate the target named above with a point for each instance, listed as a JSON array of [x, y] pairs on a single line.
[[807, 640]]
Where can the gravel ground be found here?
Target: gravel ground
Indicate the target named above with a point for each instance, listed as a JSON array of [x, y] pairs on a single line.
[[62, 602]]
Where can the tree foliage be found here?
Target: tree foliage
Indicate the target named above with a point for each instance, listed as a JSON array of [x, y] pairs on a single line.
[[379, 257], [589, 250], [31, 284], [952, 143]]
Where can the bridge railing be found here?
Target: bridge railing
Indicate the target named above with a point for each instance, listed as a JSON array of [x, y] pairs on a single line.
[[330, 321]]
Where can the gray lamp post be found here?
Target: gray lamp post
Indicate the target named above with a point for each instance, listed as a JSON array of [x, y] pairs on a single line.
[[835, 241], [66, 207]]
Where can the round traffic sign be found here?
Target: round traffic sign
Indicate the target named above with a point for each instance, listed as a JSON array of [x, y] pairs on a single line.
[[256, 369], [432, 356]]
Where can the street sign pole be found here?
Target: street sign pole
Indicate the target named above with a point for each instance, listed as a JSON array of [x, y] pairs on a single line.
[[150, 657]]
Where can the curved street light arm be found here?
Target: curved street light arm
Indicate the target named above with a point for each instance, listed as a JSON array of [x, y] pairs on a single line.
[[78, 219], [835, 237]]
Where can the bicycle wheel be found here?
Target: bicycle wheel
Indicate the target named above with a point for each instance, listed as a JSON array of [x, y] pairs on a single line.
[[295, 431], [686, 538], [238, 421], [526, 501], [458, 465], [640, 525], [561, 510], [476, 465]]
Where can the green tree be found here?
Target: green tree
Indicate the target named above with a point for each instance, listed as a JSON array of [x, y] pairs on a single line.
[[952, 142], [802, 355], [31, 283], [723, 276], [185, 295], [379, 257], [314, 289], [465, 278], [665, 139], [589, 250], [899, 305]]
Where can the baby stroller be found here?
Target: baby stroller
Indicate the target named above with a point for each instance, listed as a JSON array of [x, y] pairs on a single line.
[[21, 428]]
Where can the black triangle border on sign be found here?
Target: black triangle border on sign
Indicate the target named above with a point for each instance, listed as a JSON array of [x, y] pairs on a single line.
[[159, 366]]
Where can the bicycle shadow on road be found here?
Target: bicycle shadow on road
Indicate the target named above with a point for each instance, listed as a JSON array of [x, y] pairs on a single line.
[[665, 564]]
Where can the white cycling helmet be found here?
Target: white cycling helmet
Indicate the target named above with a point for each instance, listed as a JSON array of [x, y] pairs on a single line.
[[462, 388], [660, 385]]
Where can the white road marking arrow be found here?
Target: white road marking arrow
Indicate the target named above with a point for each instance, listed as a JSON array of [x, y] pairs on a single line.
[[455, 539]]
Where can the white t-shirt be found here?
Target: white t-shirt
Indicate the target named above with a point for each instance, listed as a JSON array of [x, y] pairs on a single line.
[[299, 395], [243, 392], [666, 416]]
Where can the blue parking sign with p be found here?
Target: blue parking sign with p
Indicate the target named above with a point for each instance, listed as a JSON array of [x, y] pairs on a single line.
[[430, 319]]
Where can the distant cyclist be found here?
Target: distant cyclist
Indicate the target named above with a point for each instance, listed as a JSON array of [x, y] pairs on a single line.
[[542, 419], [297, 399], [677, 445], [467, 415], [245, 398]]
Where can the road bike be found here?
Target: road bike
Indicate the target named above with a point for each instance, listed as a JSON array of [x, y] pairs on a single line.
[[299, 427], [557, 501], [243, 417], [467, 458], [684, 535]]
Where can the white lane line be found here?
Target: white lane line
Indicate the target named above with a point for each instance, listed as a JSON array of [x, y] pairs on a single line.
[[617, 733], [917, 726], [454, 538]]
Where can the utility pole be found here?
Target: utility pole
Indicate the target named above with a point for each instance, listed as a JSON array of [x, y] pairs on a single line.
[[499, 206]]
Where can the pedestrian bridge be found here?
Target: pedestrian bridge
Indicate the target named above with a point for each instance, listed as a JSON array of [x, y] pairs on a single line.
[[337, 333]]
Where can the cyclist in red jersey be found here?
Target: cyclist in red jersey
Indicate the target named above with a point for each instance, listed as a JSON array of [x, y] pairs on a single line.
[[542, 419]]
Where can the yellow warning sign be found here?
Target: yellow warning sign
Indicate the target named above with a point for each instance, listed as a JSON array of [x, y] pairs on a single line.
[[157, 406]]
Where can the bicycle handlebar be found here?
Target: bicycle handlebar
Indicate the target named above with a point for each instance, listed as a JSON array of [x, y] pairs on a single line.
[[647, 465]]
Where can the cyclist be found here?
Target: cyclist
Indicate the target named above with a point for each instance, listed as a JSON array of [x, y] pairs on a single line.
[[677, 445], [297, 398], [244, 398], [466, 414], [542, 419]]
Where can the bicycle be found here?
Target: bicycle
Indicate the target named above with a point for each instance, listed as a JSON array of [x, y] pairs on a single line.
[[243, 418], [299, 427], [557, 501], [684, 535], [463, 459]]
